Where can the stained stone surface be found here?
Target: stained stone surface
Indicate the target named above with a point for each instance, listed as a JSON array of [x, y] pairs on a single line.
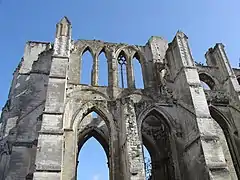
[[191, 133]]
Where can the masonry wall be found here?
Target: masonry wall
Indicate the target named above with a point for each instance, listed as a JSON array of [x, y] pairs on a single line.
[[21, 115], [190, 132]]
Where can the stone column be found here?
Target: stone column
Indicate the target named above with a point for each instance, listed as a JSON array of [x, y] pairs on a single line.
[[155, 51], [131, 146], [50, 140], [95, 71], [130, 74], [74, 68], [69, 164], [203, 155], [112, 71]]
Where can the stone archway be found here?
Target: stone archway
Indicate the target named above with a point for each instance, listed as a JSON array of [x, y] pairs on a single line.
[[207, 79], [225, 130], [96, 128], [80, 131], [157, 137]]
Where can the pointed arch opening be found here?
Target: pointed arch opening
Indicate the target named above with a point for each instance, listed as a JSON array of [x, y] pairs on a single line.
[[205, 86], [156, 138], [147, 160], [138, 73], [207, 81], [86, 66], [224, 131], [93, 148], [122, 70], [103, 69], [238, 79], [92, 161]]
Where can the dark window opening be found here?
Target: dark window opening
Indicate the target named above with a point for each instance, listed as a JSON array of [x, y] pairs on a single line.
[[122, 70]]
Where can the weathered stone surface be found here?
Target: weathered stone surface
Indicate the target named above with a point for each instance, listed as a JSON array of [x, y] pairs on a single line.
[[191, 133]]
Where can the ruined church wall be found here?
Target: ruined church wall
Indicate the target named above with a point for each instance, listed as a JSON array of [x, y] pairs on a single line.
[[26, 105], [44, 115]]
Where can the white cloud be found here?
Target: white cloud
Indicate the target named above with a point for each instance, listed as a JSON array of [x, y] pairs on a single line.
[[96, 177]]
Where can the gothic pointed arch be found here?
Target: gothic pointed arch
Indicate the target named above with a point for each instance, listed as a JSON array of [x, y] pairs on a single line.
[[85, 49], [86, 65], [103, 67], [99, 108], [95, 132], [81, 130], [84, 136], [122, 61], [138, 70], [157, 131], [153, 109], [238, 79], [226, 131], [207, 79]]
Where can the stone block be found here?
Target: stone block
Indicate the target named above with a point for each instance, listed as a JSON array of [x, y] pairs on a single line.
[[59, 67], [47, 176], [51, 123], [49, 156], [55, 96]]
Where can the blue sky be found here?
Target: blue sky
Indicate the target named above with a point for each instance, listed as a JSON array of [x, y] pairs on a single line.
[[205, 22]]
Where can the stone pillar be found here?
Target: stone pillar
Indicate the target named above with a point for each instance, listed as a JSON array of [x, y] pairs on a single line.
[[130, 74], [112, 71], [131, 146], [50, 140], [95, 71], [155, 52], [74, 68], [202, 141], [69, 164]]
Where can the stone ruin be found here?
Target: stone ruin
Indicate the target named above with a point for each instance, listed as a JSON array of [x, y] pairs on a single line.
[[191, 133]]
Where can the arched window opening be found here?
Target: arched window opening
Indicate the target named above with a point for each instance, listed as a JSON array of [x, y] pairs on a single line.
[[92, 162], [155, 135], [238, 79], [103, 69], [147, 163], [94, 115], [205, 86], [206, 81], [138, 76], [229, 151], [86, 67], [93, 148], [122, 70], [226, 150]]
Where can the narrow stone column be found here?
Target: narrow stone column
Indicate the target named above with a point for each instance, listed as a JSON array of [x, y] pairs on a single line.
[[130, 74], [201, 139], [95, 71], [112, 71], [69, 164], [132, 152], [74, 68], [50, 140]]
